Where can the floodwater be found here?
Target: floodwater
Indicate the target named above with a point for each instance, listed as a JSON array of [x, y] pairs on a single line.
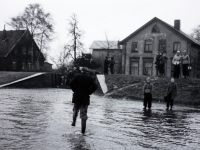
[[40, 119]]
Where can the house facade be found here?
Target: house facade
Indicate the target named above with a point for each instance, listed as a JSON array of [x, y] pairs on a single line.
[[19, 52], [142, 46], [101, 49]]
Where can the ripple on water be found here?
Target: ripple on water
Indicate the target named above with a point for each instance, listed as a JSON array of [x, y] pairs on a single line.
[[41, 118]]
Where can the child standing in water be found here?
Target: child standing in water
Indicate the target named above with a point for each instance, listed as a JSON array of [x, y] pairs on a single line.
[[171, 93], [147, 89]]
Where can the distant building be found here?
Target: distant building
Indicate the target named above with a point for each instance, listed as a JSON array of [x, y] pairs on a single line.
[[101, 49], [19, 52], [141, 47]]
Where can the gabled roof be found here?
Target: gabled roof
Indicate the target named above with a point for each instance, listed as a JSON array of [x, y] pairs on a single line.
[[12, 37], [11, 40], [105, 45], [155, 19]]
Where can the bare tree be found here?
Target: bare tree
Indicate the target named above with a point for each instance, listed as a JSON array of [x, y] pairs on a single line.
[[196, 33], [75, 34], [39, 23], [62, 57]]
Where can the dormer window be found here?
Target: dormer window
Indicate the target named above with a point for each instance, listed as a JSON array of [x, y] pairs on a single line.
[[155, 29]]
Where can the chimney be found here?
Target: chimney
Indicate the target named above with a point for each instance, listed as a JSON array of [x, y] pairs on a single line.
[[4, 34], [177, 24], [118, 45]]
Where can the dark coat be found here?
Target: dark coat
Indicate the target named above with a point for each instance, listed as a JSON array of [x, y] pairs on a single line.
[[83, 86], [172, 87], [112, 63], [106, 62], [77, 71]]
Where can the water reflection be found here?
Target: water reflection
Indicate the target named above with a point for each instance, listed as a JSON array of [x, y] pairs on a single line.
[[78, 142], [147, 113]]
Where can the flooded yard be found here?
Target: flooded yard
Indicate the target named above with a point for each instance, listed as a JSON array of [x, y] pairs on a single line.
[[40, 119]]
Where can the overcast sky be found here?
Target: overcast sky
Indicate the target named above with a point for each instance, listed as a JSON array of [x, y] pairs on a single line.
[[117, 18]]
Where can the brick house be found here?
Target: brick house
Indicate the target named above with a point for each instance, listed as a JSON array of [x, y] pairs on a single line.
[[141, 47], [19, 52], [101, 49]]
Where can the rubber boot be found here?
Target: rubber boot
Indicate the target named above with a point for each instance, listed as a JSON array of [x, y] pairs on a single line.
[[83, 126], [74, 118]]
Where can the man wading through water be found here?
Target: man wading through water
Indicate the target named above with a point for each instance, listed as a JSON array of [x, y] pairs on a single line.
[[83, 86]]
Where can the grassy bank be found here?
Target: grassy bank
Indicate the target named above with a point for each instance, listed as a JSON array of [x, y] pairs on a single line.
[[120, 86]]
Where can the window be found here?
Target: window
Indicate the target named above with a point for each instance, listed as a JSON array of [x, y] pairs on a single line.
[[23, 51], [23, 65], [148, 47], [134, 47], [177, 46], [162, 45], [134, 66], [30, 51], [155, 29], [148, 67], [29, 66], [14, 65]]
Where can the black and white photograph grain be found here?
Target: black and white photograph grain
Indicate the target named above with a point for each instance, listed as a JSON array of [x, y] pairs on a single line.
[[100, 75]]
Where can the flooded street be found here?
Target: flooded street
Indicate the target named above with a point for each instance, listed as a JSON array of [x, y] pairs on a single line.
[[40, 119]]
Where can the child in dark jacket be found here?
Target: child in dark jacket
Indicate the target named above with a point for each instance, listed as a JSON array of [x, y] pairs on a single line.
[[171, 93], [147, 89]]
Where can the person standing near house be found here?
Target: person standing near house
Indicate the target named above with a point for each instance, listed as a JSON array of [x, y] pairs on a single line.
[[147, 89], [112, 63], [171, 93], [106, 64], [161, 65], [157, 62], [83, 86], [185, 63], [176, 63]]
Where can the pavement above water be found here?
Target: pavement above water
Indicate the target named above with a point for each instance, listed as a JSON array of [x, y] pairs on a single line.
[[40, 119]]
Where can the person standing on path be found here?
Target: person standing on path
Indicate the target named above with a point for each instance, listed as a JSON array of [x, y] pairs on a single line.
[[106, 64], [176, 62], [171, 93], [83, 86], [147, 89], [185, 63], [112, 63]]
